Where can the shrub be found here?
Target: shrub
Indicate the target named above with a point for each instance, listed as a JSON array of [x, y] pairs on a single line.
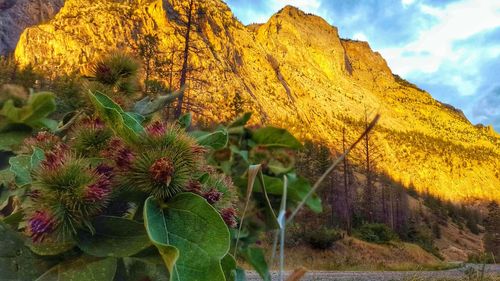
[[375, 233], [482, 258], [323, 238]]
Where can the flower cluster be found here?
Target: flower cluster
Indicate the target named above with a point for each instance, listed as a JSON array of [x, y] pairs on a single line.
[[90, 137], [83, 177], [67, 192]]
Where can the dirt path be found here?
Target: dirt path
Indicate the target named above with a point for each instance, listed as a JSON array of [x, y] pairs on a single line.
[[490, 270]]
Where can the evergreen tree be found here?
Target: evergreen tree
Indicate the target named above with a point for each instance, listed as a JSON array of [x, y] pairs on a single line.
[[492, 227]]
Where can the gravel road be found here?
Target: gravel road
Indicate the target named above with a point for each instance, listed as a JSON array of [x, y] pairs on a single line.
[[385, 275]]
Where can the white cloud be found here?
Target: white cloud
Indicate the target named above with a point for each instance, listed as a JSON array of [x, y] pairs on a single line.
[[407, 2], [434, 49]]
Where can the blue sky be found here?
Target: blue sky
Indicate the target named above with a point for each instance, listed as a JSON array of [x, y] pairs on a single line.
[[451, 48]]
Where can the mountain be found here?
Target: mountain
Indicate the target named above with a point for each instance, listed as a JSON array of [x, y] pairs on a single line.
[[16, 15], [294, 71]]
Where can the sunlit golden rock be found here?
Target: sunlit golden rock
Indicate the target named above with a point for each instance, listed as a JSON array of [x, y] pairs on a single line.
[[293, 71]]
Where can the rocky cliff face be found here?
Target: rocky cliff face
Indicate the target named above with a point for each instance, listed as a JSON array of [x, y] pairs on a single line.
[[16, 15], [295, 72]]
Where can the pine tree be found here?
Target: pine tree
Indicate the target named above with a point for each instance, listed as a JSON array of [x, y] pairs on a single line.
[[492, 227]]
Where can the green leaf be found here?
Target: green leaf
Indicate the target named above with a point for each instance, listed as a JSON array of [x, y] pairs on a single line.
[[36, 158], [144, 268], [9, 140], [255, 257], [216, 140], [240, 274], [6, 177], [124, 124], [275, 137], [114, 237], [139, 118], [82, 269], [228, 264], [49, 247], [34, 113], [190, 235], [14, 219], [148, 106], [46, 123], [17, 262], [255, 172], [241, 121], [185, 120], [21, 165], [298, 188]]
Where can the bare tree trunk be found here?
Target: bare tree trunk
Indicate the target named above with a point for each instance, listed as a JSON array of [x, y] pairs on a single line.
[[171, 76], [369, 187], [391, 213], [185, 63], [346, 187]]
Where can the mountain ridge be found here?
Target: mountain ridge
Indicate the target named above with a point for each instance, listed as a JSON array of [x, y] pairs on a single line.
[[295, 72]]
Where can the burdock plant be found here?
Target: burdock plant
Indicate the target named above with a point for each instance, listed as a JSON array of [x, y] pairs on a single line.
[[161, 163], [118, 194], [67, 192]]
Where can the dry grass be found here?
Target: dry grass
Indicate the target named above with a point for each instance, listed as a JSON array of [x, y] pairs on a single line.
[[354, 254]]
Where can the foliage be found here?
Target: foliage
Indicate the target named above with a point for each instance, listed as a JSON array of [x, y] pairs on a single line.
[[86, 194], [492, 234], [322, 238], [375, 233], [19, 116]]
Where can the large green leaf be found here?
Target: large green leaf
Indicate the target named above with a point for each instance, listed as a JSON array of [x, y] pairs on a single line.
[[123, 123], [34, 113], [190, 235], [216, 140], [275, 137], [17, 262], [114, 237], [82, 269], [255, 256]]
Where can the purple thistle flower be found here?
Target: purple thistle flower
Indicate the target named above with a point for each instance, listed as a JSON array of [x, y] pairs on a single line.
[[94, 123], [213, 196], [54, 159], [162, 170], [98, 191], [40, 224], [194, 186], [105, 170], [229, 217], [124, 158], [156, 129]]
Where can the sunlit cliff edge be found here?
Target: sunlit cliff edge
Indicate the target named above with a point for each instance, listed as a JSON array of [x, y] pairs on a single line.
[[293, 71]]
